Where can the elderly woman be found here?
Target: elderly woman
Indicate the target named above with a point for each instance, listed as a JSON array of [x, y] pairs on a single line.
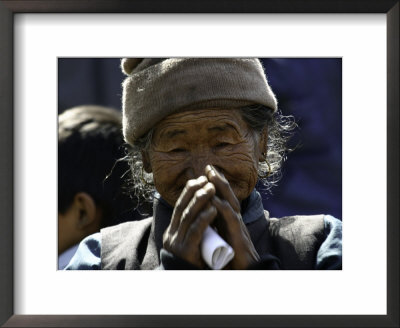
[[203, 132]]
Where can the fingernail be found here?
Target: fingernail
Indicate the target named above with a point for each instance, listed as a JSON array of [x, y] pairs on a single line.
[[202, 179], [209, 186], [211, 170]]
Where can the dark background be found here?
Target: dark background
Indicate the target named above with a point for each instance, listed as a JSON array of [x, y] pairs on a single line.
[[310, 89]]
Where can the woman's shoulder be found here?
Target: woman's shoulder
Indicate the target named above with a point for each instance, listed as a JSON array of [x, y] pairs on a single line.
[[306, 222], [304, 238], [127, 226], [297, 219]]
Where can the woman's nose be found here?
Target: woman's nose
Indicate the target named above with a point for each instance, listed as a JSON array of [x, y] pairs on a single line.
[[198, 165]]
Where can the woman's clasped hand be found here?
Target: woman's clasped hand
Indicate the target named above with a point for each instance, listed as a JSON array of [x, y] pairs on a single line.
[[208, 200]]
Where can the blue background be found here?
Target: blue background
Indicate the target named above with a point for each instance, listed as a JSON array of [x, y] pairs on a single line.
[[310, 89]]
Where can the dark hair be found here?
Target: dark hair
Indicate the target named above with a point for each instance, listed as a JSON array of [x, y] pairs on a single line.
[[90, 144], [280, 128]]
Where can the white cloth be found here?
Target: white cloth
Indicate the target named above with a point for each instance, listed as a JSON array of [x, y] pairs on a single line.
[[215, 251], [65, 257]]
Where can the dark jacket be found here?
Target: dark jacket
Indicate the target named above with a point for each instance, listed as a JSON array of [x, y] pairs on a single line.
[[290, 243]]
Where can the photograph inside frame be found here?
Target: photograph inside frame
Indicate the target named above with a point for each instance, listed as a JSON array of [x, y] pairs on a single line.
[[199, 163]]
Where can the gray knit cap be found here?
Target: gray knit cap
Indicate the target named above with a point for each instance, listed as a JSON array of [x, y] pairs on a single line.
[[157, 87]]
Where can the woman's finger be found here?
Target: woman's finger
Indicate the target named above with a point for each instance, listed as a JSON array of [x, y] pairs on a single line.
[[195, 232], [197, 204], [223, 187], [231, 218], [187, 194], [232, 221], [236, 234]]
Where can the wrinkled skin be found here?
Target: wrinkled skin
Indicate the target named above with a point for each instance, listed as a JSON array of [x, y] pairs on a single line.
[[204, 164]]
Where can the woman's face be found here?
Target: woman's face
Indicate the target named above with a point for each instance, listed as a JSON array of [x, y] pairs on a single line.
[[184, 143]]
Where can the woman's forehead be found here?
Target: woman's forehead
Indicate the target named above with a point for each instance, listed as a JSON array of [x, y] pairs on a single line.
[[208, 120]]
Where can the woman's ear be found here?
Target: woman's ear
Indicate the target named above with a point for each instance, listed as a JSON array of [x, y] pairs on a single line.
[[263, 145], [86, 209], [146, 161]]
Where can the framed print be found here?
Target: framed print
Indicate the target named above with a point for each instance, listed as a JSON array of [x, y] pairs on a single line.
[[370, 142]]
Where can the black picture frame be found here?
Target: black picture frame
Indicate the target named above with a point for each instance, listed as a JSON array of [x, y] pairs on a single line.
[[10, 7]]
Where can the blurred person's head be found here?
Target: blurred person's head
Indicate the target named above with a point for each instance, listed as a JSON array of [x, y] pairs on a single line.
[[90, 177]]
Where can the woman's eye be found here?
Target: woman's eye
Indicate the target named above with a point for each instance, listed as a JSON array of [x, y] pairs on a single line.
[[222, 144], [178, 150]]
